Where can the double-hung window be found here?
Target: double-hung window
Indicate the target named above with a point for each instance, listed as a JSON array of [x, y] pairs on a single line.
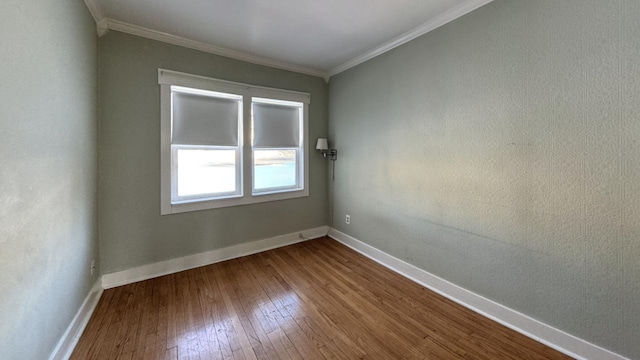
[[205, 144], [277, 145], [227, 144]]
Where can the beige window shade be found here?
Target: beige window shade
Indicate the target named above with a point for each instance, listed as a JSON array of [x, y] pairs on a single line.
[[276, 126], [204, 120]]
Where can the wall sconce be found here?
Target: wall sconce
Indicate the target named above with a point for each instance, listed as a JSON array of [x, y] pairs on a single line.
[[323, 146]]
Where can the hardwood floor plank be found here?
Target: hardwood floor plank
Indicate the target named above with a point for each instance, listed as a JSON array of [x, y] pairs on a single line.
[[207, 303], [294, 306], [242, 295], [171, 354], [313, 300], [341, 313], [226, 290]]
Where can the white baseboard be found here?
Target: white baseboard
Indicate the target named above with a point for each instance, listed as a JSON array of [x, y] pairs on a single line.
[[71, 336], [528, 326], [193, 261]]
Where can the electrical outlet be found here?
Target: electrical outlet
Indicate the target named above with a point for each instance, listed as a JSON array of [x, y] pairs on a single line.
[[93, 267], [347, 219]]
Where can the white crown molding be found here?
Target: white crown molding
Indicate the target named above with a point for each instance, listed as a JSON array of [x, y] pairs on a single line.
[[102, 27], [98, 16], [70, 338], [150, 271], [103, 24], [442, 19], [526, 325], [95, 10], [209, 48]]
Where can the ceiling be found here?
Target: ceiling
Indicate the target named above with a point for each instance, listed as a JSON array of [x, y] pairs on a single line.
[[321, 37]]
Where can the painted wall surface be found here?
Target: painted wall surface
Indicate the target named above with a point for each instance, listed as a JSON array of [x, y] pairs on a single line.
[[502, 153], [132, 231], [48, 172]]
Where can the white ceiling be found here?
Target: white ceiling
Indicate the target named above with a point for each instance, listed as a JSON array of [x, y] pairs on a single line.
[[316, 35]]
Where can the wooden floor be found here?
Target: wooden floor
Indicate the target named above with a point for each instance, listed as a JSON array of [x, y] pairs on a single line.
[[313, 300]]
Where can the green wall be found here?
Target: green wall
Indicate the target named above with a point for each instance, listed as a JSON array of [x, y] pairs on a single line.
[[501, 153], [48, 179], [131, 230]]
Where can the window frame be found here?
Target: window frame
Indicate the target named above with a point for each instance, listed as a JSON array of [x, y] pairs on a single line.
[[247, 196], [300, 162]]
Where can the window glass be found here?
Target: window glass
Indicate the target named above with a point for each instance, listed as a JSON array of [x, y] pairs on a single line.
[[274, 169], [205, 171]]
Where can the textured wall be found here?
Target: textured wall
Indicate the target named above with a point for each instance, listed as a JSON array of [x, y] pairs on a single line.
[[48, 171], [131, 230], [502, 153]]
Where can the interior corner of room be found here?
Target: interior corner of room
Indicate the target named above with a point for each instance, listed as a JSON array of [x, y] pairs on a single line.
[[487, 160]]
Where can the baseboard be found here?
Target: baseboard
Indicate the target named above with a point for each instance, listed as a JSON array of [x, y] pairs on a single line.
[[70, 338], [193, 261], [528, 326]]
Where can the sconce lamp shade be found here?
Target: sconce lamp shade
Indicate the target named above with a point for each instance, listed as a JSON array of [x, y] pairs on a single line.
[[322, 144]]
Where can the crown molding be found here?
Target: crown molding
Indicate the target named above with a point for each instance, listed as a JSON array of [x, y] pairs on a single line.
[[444, 18], [95, 10], [103, 24], [98, 16], [209, 48]]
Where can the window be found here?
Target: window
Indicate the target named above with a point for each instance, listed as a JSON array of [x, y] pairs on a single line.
[[227, 144], [277, 145], [205, 144]]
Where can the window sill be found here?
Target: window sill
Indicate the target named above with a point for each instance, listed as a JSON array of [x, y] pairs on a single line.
[[206, 204], [276, 191], [191, 201]]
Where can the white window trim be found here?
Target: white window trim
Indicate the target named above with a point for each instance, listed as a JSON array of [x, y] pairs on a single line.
[[168, 78]]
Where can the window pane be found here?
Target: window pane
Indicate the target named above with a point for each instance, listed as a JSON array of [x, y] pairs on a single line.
[[206, 171], [274, 169]]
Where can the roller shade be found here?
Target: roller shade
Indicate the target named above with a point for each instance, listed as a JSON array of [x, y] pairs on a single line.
[[276, 126], [204, 120]]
